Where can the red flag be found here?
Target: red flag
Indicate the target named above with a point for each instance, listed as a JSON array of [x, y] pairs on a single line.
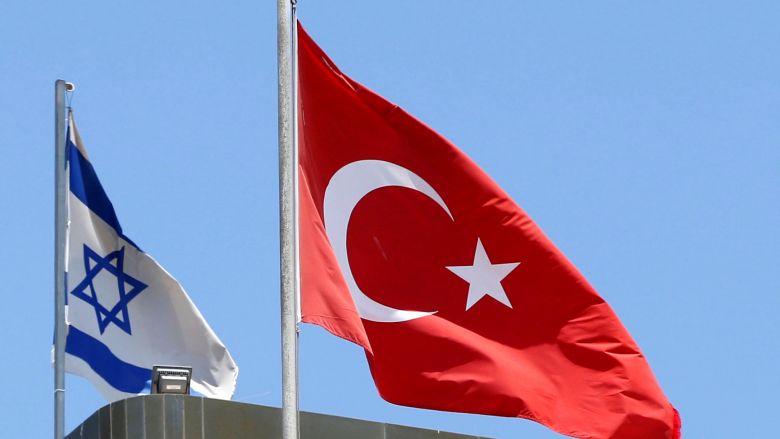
[[462, 304]]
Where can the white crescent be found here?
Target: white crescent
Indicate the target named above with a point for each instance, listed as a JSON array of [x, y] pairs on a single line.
[[346, 188]]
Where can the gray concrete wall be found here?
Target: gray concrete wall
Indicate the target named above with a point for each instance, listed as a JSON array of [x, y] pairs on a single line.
[[190, 417]]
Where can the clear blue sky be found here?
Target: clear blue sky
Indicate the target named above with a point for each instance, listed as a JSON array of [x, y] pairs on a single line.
[[643, 138]]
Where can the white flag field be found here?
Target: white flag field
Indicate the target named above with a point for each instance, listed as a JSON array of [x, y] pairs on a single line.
[[125, 313]]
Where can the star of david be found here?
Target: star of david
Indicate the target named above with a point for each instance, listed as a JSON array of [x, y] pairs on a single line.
[[128, 288]]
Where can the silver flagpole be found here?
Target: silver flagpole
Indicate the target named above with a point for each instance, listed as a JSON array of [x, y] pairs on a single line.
[[287, 226], [60, 87]]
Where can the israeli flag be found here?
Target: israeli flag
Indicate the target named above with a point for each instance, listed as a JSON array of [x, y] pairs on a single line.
[[125, 313]]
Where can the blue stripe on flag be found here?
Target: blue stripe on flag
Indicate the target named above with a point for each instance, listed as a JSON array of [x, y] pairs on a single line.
[[85, 185], [124, 377]]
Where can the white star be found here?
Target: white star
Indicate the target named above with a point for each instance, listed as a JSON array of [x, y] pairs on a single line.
[[484, 277]]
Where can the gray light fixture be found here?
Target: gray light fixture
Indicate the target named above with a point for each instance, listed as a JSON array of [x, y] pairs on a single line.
[[171, 379]]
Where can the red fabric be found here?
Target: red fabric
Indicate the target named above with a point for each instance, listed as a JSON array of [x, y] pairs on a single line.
[[558, 356]]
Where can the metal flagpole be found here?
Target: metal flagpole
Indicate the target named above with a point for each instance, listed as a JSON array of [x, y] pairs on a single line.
[[60, 217], [287, 226]]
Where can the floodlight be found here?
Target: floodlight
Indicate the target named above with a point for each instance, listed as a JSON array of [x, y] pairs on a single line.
[[171, 379]]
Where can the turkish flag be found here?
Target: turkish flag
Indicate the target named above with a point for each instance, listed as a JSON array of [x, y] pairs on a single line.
[[410, 250]]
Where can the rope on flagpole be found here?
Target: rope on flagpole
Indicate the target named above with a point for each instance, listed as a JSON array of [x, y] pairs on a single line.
[[70, 89], [296, 223]]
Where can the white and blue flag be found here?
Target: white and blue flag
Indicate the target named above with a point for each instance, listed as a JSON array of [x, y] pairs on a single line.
[[125, 313]]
